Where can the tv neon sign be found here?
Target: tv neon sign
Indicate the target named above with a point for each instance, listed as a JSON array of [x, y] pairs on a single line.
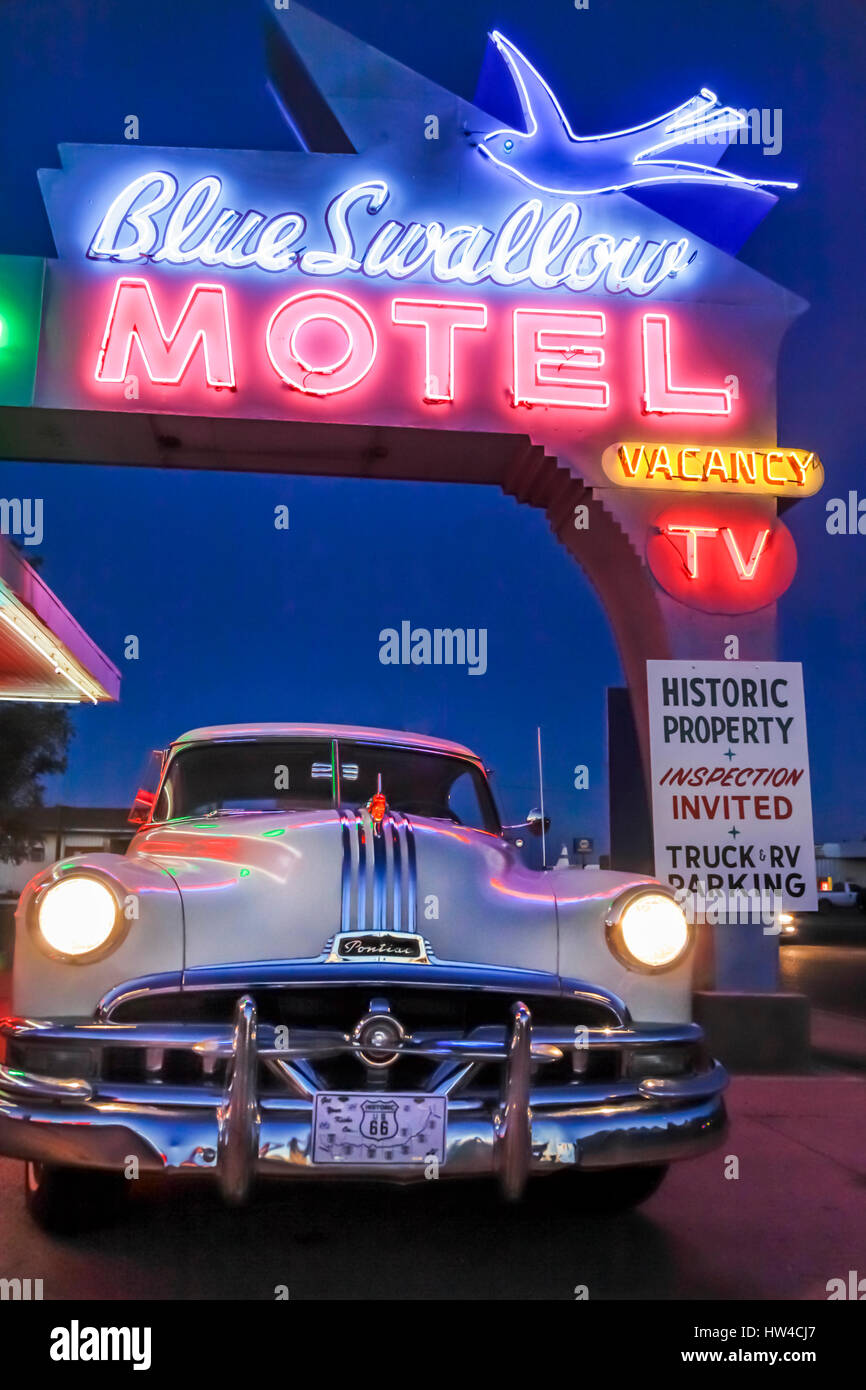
[[733, 558], [743, 569], [321, 343]]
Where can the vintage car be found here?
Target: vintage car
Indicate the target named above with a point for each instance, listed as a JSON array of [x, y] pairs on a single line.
[[322, 956]]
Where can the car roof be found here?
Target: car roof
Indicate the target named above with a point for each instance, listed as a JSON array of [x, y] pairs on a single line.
[[359, 733]]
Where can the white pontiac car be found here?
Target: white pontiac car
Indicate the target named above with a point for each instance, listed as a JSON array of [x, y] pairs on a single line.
[[323, 957]]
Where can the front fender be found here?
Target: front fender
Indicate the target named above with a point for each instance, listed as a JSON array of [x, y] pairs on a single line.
[[43, 987], [583, 901]]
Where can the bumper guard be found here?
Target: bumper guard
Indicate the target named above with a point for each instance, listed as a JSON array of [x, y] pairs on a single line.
[[535, 1127]]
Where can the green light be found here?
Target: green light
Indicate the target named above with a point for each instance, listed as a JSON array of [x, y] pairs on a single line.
[[269, 834], [21, 281], [245, 873]]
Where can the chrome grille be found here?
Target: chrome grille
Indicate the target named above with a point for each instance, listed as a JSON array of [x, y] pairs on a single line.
[[379, 881], [341, 1004]]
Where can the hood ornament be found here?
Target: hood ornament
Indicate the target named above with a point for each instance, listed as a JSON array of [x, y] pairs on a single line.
[[377, 806]]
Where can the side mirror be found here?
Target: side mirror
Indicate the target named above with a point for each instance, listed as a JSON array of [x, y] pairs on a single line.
[[142, 807], [535, 822]]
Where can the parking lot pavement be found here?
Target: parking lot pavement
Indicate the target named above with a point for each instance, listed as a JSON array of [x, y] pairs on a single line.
[[791, 1220], [832, 976], [838, 1039]]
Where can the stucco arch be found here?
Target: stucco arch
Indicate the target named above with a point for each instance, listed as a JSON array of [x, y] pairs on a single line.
[[512, 462]]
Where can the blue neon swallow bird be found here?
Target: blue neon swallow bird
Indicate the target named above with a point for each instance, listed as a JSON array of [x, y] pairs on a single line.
[[550, 157]]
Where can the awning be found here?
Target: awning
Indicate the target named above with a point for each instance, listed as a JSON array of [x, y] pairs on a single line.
[[44, 653]]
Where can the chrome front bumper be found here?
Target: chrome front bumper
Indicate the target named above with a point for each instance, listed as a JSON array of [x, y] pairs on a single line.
[[531, 1128]]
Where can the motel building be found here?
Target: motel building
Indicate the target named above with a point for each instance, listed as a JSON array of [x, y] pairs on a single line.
[[439, 290], [47, 657]]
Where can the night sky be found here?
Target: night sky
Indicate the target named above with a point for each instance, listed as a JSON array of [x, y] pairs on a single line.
[[240, 622]]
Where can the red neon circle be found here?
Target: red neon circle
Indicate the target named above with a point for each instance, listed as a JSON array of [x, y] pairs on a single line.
[[325, 378], [718, 586]]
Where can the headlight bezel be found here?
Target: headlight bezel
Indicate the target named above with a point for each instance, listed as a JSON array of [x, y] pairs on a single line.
[[616, 941], [105, 948]]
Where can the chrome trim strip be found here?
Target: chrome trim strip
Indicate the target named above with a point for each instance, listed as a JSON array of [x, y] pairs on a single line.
[[412, 896], [397, 891], [703, 1084], [240, 975], [239, 1118], [296, 1083], [336, 774], [363, 842], [637, 1036], [380, 872], [24, 1084], [279, 974], [346, 878], [200, 1037], [575, 1096], [448, 1077], [485, 1043], [144, 986], [169, 1140]]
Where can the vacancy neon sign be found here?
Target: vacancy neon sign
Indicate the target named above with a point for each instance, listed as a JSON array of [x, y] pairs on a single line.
[[714, 468], [322, 343]]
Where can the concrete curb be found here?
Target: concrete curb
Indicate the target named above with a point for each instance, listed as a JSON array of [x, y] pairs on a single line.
[[839, 1039]]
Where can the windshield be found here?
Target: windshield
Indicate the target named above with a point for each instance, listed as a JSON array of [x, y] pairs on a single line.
[[305, 774]]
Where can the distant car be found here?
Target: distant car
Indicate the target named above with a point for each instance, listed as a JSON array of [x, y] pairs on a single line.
[[789, 927], [844, 894], [322, 957]]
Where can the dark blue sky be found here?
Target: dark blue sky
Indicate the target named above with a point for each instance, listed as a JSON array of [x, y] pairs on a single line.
[[238, 621]]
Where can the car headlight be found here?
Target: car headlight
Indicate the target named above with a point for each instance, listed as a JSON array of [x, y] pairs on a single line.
[[77, 916], [649, 931]]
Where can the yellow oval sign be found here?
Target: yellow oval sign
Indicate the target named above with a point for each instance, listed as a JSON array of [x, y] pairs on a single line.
[[714, 468]]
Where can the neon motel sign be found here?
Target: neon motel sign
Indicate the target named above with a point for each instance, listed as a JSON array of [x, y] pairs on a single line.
[[321, 343], [181, 285], [512, 286], [151, 219]]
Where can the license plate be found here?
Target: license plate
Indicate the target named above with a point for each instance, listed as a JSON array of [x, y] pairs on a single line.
[[360, 1127]]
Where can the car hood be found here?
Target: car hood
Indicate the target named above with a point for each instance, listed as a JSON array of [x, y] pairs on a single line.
[[279, 887]]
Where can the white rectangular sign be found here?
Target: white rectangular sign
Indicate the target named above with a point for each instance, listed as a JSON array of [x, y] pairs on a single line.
[[732, 804]]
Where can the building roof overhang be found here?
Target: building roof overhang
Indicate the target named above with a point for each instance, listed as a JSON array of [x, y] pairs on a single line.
[[45, 655]]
